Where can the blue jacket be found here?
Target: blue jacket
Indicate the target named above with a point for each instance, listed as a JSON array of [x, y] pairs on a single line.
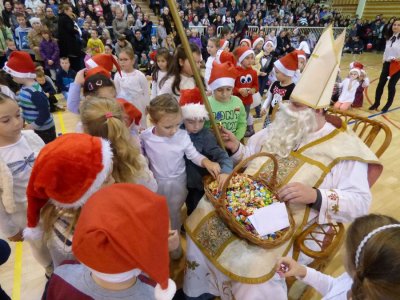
[[205, 142]]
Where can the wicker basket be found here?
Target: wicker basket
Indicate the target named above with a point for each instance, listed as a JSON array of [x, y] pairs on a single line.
[[228, 217]]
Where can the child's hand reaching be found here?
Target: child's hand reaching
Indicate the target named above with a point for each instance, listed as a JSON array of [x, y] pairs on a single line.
[[244, 92], [213, 168], [222, 178], [287, 267]]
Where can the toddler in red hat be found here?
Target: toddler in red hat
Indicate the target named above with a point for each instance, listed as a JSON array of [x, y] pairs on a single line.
[[33, 101], [66, 173], [121, 240], [282, 88]]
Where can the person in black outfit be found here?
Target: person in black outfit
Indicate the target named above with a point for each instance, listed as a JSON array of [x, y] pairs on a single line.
[[139, 43], [167, 20], [392, 52]]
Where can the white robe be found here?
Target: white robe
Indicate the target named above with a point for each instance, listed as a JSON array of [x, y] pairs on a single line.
[[349, 179]]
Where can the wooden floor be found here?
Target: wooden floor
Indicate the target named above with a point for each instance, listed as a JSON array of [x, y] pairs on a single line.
[[32, 281]]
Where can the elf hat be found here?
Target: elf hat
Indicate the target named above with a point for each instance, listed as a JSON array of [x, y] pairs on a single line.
[[107, 61], [223, 44], [20, 65], [225, 56], [268, 42], [257, 41], [288, 64], [222, 75], [66, 172], [192, 105], [301, 54], [247, 41], [131, 111], [123, 230], [394, 67], [97, 70], [242, 52]]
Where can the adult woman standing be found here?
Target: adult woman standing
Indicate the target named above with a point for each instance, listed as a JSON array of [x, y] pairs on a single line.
[[392, 52], [69, 38]]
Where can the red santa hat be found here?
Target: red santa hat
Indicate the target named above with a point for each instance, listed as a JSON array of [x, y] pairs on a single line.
[[223, 44], [256, 41], [357, 70], [247, 41], [133, 114], [192, 105], [153, 55], [123, 230], [222, 75], [394, 67], [270, 43], [224, 56], [107, 61], [288, 64], [97, 70], [20, 65], [242, 52], [66, 172], [301, 54], [356, 64]]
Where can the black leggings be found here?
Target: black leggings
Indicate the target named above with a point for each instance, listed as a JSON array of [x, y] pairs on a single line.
[[391, 86]]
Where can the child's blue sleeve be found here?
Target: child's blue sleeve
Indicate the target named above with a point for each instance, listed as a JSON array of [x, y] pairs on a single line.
[[74, 97], [216, 154], [41, 102]]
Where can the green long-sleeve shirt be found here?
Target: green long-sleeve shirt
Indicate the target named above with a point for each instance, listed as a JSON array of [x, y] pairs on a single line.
[[231, 115]]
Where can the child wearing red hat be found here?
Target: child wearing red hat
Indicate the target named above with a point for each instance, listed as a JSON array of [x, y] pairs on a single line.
[[228, 110], [34, 103], [348, 91], [121, 240], [246, 84], [212, 49], [282, 88], [66, 173], [194, 116], [364, 82]]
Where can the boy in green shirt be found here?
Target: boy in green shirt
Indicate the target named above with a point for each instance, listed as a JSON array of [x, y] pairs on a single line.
[[228, 110]]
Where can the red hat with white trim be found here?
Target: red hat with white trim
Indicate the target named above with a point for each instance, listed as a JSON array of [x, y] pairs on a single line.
[[107, 61], [242, 52], [192, 105], [223, 44], [288, 64], [222, 75], [20, 65], [247, 41], [256, 41], [356, 64], [301, 54], [268, 42], [224, 56], [132, 112], [66, 172], [105, 243]]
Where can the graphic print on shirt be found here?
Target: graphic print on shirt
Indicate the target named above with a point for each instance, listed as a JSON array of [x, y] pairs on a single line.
[[278, 95], [19, 166], [228, 118]]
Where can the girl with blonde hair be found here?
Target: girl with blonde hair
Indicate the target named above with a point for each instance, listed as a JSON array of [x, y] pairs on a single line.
[[105, 118]]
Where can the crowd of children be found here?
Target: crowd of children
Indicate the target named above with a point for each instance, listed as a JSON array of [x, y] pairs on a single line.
[[118, 154]]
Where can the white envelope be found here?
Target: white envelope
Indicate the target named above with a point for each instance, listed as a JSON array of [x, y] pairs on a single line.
[[270, 219]]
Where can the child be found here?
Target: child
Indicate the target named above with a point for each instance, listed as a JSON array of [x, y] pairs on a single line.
[[228, 110], [162, 61], [58, 176], [32, 100], [161, 31], [257, 46], [21, 33], [113, 263], [180, 74], [371, 263], [154, 45], [105, 118], [364, 82], [10, 48], [212, 50], [94, 44], [194, 116], [349, 88], [245, 43], [302, 60], [165, 145], [282, 88], [194, 38], [50, 53], [246, 84], [132, 84], [18, 151], [49, 89], [65, 76]]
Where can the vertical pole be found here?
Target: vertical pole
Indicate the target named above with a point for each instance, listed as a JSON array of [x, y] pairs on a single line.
[[196, 71]]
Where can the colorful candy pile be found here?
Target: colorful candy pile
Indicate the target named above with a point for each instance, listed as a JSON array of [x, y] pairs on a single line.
[[243, 196]]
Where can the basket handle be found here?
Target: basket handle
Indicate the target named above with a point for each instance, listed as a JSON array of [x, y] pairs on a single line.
[[244, 162]]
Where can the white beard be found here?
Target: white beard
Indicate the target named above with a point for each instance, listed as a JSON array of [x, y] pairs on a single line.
[[289, 129]]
